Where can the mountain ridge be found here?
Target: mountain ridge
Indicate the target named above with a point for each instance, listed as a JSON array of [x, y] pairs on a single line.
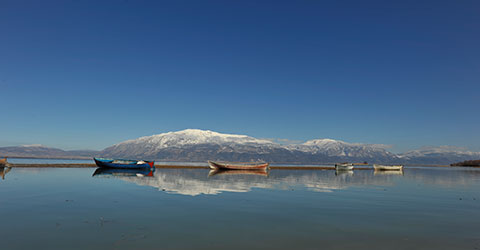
[[41, 151], [202, 145], [195, 145]]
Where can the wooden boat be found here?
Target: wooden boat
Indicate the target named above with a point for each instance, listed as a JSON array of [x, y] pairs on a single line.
[[343, 166], [238, 166], [261, 172], [4, 162], [124, 172], [387, 167], [120, 163]]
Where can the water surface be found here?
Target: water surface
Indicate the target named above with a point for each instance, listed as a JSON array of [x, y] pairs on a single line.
[[419, 208]]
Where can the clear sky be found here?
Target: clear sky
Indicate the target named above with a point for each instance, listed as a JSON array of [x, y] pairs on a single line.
[[80, 74]]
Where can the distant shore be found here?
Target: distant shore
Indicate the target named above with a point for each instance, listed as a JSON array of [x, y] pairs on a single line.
[[51, 158], [200, 166]]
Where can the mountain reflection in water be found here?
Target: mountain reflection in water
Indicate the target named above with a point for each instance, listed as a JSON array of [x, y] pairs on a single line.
[[198, 181]]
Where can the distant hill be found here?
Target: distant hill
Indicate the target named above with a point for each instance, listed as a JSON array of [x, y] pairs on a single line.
[[438, 155], [474, 163], [40, 151]]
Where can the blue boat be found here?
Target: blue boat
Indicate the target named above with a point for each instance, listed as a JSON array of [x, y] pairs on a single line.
[[120, 163]]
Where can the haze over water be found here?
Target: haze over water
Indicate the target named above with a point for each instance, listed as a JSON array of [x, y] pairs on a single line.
[[421, 208]]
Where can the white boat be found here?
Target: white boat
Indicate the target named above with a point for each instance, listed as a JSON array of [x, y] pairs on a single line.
[[387, 167], [344, 166], [238, 166]]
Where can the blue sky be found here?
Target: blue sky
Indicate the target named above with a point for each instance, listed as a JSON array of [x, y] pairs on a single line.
[[80, 74]]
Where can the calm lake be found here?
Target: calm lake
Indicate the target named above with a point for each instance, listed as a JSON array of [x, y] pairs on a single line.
[[68, 208]]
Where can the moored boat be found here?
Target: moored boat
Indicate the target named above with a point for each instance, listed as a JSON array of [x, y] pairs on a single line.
[[120, 163], [387, 167], [4, 162], [238, 166], [343, 166]]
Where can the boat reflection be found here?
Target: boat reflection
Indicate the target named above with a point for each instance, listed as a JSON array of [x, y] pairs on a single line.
[[263, 172], [123, 172], [340, 172], [4, 171], [388, 172]]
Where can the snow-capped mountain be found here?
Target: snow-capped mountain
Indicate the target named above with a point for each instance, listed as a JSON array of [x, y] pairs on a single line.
[[202, 145], [439, 155], [336, 148], [195, 145], [194, 137]]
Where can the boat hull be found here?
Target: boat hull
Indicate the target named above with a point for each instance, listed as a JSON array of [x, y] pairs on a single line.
[[387, 167], [125, 164], [4, 162], [238, 166], [260, 172], [343, 166]]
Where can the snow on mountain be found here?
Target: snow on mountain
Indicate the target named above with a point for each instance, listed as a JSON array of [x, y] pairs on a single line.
[[34, 146], [439, 155], [200, 145], [424, 151], [194, 137], [195, 145], [336, 148]]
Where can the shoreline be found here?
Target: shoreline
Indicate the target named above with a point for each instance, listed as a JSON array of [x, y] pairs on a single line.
[[276, 167], [88, 162]]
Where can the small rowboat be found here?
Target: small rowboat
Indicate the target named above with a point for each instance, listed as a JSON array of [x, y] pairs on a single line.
[[387, 167], [3, 162], [118, 163], [238, 166], [344, 166]]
